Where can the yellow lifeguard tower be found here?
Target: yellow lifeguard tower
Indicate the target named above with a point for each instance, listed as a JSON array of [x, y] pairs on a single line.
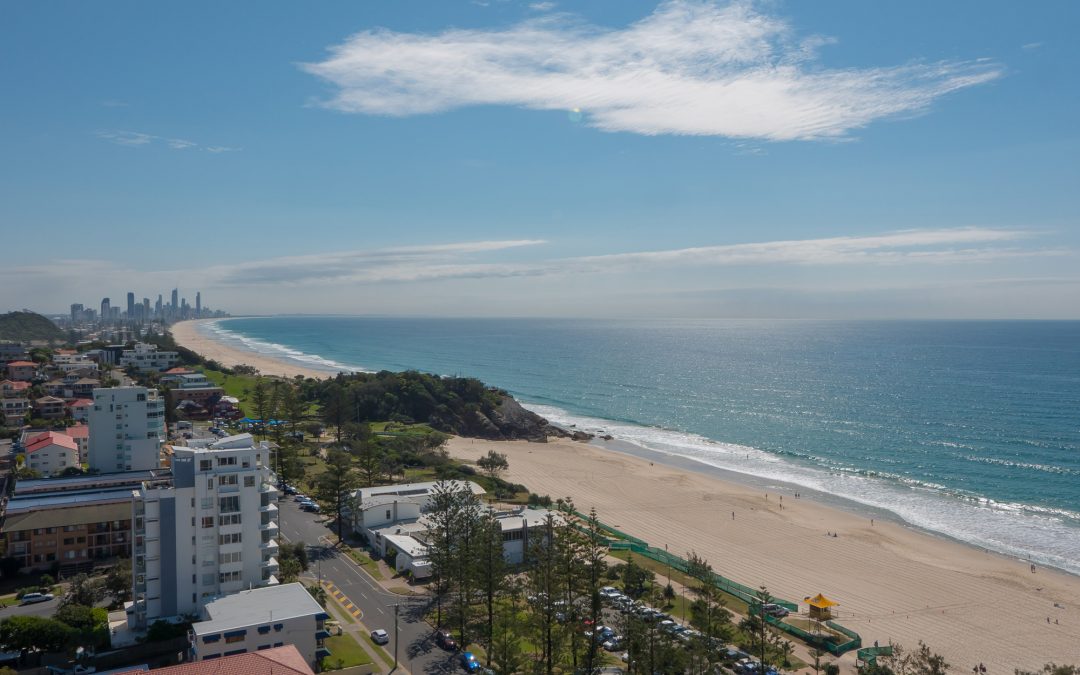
[[820, 607]]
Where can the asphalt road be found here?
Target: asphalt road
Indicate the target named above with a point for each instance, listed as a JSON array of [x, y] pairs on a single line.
[[46, 609], [416, 649]]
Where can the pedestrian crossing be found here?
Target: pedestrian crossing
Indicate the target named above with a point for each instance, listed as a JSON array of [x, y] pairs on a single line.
[[342, 599]]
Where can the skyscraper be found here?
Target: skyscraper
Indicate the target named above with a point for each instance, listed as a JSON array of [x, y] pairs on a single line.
[[175, 299], [146, 309], [76, 312], [106, 312], [131, 306], [157, 307], [198, 304]]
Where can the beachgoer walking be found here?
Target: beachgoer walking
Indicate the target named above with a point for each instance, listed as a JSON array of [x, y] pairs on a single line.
[[733, 515], [871, 522]]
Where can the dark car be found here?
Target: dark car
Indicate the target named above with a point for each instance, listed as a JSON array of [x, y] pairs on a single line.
[[444, 639]]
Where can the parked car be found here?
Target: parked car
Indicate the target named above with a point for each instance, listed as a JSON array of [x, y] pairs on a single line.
[[380, 636], [613, 644], [444, 639], [469, 662], [311, 506], [33, 598], [775, 610]]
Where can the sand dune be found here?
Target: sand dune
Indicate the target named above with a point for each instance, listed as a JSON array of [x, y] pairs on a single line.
[[892, 582]]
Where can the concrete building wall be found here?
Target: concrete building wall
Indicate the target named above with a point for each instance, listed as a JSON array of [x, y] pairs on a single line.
[[127, 427]]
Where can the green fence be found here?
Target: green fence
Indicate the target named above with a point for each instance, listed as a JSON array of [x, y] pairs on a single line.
[[830, 643], [868, 655]]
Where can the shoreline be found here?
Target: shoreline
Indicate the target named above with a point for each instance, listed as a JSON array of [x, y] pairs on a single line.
[[894, 582], [894, 564], [188, 334]]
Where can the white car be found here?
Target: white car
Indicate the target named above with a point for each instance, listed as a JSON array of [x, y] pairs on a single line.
[[31, 598], [379, 636]]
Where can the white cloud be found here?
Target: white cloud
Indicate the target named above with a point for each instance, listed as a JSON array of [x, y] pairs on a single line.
[[541, 6], [692, 67], [138, 139]]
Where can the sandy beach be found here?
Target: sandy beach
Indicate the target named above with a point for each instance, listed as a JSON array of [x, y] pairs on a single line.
[[892, 582], [186, 333]]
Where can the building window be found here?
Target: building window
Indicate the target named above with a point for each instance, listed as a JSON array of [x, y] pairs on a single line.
[[226, 558], [204, 465], [226, 577], [233, 538], [230, 519], [229, 504], [226, 461], [207, 521], [249, 481], [228, 480]]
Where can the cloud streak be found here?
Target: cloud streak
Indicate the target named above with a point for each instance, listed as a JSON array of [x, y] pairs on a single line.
[[452, 261], [135, 139], [690, 68]]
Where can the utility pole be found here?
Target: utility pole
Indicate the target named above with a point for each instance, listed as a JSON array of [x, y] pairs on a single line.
[[396, 607]]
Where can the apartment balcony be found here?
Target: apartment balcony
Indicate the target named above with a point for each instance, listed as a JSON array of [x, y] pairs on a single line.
[[271, 564], [269, 508], [267, 487], [269, 527], [269, 546]]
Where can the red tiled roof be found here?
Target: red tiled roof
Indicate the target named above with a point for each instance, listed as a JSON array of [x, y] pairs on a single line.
[[178, 371], [52, 438], [81, 403], [21, 363], [78, 431], [15, 385], [277, 661]]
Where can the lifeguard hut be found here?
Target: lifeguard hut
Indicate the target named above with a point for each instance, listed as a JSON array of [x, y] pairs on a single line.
[[820, 607]]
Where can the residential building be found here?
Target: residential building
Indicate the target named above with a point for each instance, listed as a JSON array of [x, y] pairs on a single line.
[[70, 528], [12, 351], [221, 510], [146, 358], [80, 408], [80, 433], [49, 408], [51, 452], [284, 660], [261, 619], [21, 371], [14, 411], [127, 426], [11, 388]]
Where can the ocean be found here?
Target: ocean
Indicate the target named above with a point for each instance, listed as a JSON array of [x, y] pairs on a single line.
[[966, 429]]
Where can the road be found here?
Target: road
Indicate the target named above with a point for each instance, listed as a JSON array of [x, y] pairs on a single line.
[[417, 650], [46, 609]]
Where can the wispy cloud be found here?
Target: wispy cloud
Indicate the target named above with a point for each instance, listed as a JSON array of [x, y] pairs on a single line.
[[138, 138], [455, 261], [1032, 45], [541, 6], [692, 67]]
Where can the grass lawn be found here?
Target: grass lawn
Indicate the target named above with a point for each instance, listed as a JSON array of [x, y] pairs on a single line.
[[661, 571], [363, 559], [345, 652]]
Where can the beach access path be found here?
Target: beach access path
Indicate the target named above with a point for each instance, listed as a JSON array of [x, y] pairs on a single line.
[[893, 583]]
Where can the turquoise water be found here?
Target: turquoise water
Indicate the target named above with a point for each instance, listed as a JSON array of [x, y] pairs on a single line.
[[969, 429]]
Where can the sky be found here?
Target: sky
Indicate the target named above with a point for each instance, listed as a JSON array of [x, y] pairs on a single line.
[[834, 159]]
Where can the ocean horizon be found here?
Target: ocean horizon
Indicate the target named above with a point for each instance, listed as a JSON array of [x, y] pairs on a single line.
[[967, 429]]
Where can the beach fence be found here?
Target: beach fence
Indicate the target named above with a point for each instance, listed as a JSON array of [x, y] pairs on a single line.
[[830, 642], [868, 655]]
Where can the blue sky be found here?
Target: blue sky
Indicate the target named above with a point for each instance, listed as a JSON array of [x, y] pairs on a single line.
[[832, 159]]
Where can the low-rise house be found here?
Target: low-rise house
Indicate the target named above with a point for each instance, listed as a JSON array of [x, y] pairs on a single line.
[[79, 409], [261, 619], [49, 408], [12, 388], [21, 371], [14, 411], [51, 453]]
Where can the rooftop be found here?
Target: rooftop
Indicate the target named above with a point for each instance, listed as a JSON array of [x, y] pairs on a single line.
[[413, 489], [258, 605], [50, 438], [277, 661], [25, 488], [67, 499]]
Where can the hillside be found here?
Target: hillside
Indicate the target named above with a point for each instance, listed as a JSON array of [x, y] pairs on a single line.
[[27, 326]]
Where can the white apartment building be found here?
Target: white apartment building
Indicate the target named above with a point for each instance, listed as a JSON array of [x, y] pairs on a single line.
[[211, 533], [146, 358], [127, 428], [262, 618]]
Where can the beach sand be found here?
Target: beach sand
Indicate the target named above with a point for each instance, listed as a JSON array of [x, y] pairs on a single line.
[[186, 334], [893, 583]]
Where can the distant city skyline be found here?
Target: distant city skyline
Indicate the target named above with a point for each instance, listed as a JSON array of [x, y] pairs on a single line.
[[140, 311], [681, 158]]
